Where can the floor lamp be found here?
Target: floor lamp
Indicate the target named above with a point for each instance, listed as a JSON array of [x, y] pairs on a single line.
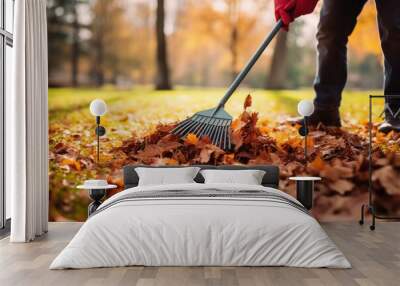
[[305, 108], [98, 108]]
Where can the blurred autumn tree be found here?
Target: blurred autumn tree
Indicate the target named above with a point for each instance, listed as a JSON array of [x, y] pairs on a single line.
[[112, 42], [365, 51], [278, 68], [96, 42], [64, 28], [162, 77], [213, 40], [365, 38]]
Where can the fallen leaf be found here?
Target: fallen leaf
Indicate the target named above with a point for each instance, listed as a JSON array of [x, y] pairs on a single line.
[[317, 163], [341, 186], [247, 102], [71, 162], [388, 177], [191, 139]]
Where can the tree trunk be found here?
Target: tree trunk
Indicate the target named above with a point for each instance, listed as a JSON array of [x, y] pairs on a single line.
[[234, 50], [162, 77], [98, 28], [233, 14], [99, 73], [278, 71], [75, 49]]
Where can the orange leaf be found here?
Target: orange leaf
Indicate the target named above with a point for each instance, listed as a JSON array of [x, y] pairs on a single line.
[[318, 163], [247, 102], [192, 139], [341, 186], [171, 162], [77, 165], [264, 130], [310, 142], [72, 163], [237, 124]]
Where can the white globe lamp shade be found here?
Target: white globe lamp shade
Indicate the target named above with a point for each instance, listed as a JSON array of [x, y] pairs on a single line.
[[98, 107], [305, 107]]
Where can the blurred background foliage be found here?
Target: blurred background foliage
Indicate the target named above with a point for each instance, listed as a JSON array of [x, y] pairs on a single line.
[[193, 43]]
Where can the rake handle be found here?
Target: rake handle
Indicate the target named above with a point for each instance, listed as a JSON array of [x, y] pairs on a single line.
[[239, 78]]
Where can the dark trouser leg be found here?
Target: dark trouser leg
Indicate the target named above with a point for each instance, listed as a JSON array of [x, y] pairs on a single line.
[[337, 21], [389, 31]]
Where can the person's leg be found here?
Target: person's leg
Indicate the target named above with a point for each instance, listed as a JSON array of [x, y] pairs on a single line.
[[389, 31], [337, 21]]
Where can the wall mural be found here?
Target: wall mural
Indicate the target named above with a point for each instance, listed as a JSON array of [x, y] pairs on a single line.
[[155, 65]]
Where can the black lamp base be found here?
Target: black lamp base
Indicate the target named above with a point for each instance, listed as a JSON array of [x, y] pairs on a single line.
[[304, 192]]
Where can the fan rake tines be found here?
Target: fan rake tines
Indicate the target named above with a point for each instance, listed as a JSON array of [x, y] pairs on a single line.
[[217, 129]]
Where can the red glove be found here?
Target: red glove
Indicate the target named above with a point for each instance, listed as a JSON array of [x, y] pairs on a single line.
[[288, 10]]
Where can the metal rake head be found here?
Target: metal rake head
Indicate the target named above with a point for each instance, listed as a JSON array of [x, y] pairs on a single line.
[[213, 123]]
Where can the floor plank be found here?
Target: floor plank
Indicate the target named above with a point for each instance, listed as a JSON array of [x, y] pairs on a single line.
[[375, 257]]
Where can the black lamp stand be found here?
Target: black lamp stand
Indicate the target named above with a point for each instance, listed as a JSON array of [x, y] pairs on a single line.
[[303, 131], [96, 195], [100, 131]]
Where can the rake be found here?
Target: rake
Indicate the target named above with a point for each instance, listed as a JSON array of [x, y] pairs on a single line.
[[216, 122]]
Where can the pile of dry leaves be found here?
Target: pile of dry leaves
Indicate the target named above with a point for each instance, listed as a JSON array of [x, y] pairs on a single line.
[[250, 146], [336, 155]]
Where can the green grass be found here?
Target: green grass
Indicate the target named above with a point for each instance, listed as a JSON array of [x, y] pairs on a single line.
[[146, 107]]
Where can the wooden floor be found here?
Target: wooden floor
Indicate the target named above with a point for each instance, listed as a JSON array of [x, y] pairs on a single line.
[[375, 257]]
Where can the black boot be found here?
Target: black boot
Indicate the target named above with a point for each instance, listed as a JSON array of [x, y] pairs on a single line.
[[391, 123], [329, 118]]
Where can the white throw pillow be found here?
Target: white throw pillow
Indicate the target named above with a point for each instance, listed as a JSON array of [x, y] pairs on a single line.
[[248, 177], [166, 176]]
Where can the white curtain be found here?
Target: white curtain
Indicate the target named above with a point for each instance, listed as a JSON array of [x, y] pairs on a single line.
[[27, 122]]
